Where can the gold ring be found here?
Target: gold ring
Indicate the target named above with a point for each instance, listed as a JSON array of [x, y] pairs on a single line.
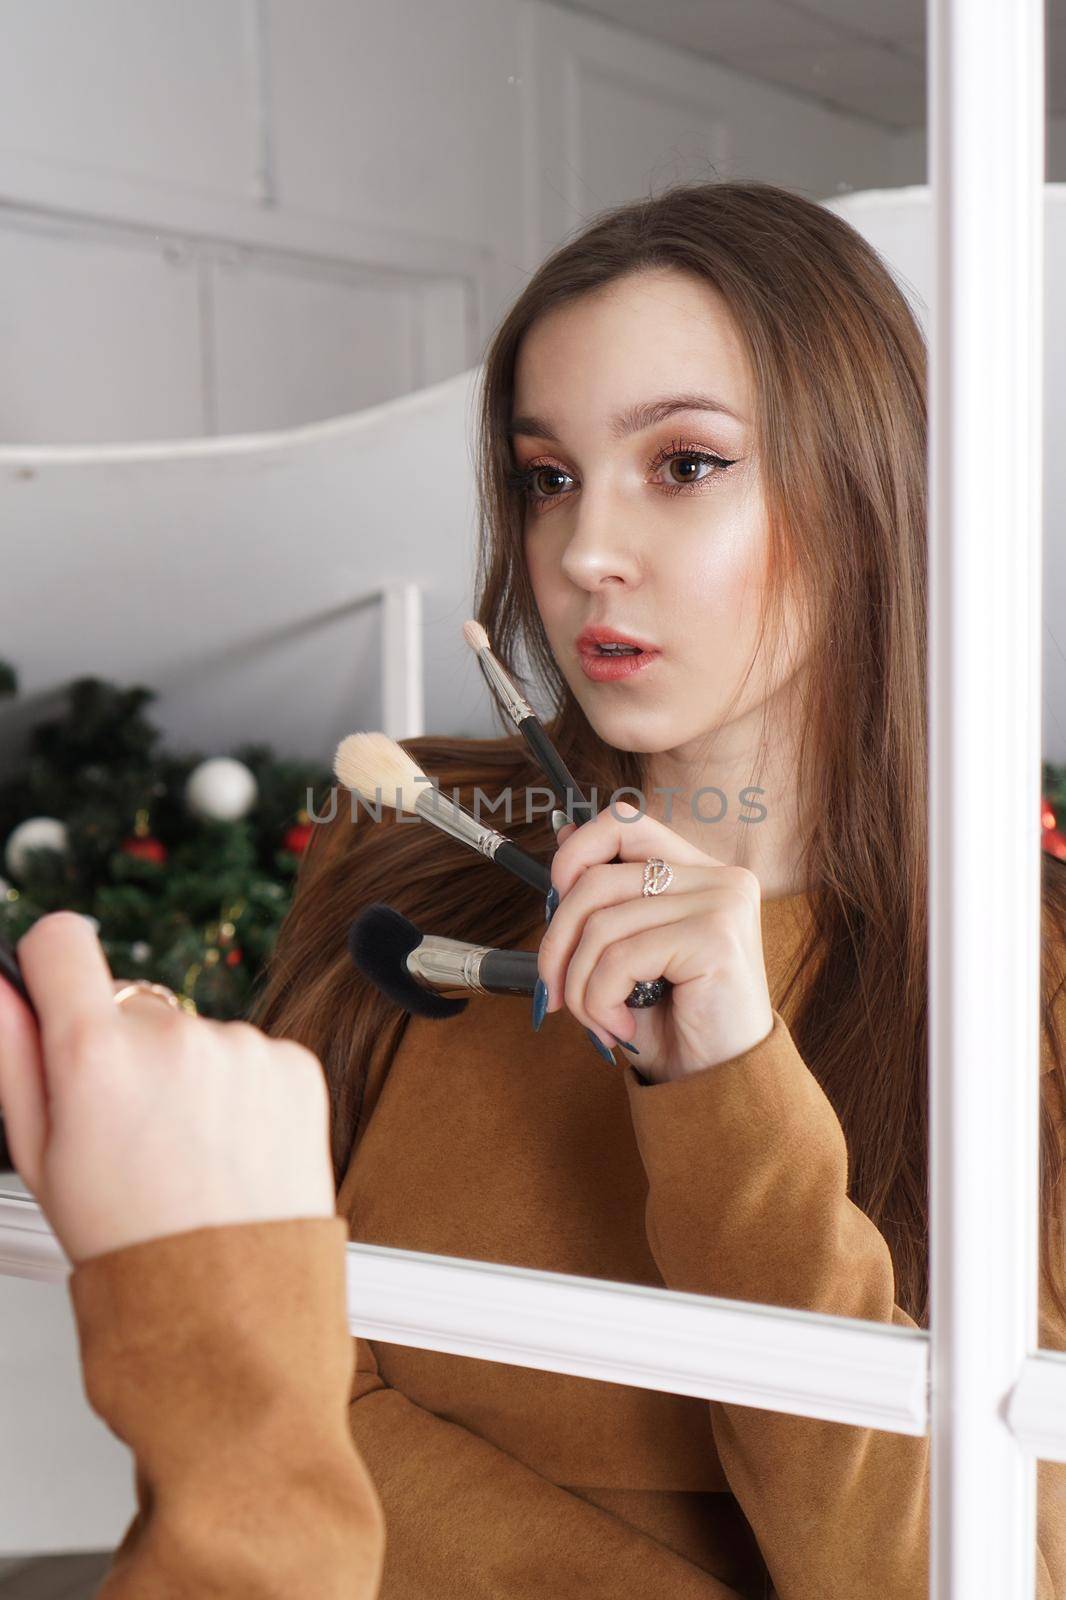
[[657, 876], [143, 986]]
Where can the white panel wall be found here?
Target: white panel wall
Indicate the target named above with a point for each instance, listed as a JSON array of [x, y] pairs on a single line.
[[240, 214], [277, 337], [100, 334], [145, 88], [612, 116]]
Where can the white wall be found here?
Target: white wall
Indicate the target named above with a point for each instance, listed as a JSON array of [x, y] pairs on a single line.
[[239, 214]]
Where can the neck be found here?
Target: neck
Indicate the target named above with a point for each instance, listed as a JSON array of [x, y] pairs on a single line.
[[748, 813]]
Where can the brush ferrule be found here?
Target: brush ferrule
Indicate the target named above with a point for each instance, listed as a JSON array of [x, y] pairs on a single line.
[[513, 704], [444, 964], [452, 819]]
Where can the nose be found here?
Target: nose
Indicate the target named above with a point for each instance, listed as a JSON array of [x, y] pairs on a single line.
[[603, 547]]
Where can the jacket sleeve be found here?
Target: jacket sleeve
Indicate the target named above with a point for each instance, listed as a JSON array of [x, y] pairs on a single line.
[[747, 1199], [222, 1357], [465, 1518]]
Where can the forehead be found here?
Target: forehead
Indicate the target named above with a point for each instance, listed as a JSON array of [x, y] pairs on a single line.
[[646, 333]]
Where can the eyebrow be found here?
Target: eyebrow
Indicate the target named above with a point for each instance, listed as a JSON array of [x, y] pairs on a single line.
[[635, 418]]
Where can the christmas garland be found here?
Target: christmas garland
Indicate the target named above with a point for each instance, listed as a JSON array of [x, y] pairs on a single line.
[[1053, 810], [184, 864]]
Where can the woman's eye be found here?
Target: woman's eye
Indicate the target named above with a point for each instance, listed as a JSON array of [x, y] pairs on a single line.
[[691, 465], [690, 468], [544, 482], [685, 468]]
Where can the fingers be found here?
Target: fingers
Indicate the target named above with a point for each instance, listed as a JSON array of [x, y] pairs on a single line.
[[602, 885], [22, 1087], [608, 926], [600, 977], [66, 972], [606, 836]]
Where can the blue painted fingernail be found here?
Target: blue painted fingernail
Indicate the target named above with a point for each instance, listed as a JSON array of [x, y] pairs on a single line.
[[625, 1045], [540, 1003], [551, 904], [601, 1047]]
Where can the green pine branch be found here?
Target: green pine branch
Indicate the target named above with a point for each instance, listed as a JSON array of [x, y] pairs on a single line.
[[224, 887]]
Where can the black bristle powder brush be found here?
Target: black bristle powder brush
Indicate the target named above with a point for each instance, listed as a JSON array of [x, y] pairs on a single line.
[[417, 971]]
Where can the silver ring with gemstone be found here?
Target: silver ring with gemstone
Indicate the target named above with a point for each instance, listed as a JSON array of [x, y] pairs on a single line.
[[657, 876]]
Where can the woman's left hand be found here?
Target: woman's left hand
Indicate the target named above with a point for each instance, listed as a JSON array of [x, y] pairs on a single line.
[[704, 933]]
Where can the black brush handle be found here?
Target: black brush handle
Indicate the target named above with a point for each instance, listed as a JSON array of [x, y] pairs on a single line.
[[561, 780], [509, 971], [531, 871], [563, 784]]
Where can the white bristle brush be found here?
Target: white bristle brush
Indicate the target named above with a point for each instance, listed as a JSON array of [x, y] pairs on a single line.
[[378, 768]]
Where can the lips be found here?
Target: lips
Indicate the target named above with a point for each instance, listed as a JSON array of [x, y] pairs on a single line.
[[589, 640]]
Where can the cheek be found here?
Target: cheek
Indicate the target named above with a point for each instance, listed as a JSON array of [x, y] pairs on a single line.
[[719, 576], [545, 575]]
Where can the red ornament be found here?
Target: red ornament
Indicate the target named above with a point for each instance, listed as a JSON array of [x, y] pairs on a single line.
[[1047, 816], [298, 837], [1054, 843], [234, 957], [143, 847]]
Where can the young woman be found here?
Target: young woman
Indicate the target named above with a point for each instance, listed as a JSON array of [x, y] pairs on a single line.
[[702, 426]]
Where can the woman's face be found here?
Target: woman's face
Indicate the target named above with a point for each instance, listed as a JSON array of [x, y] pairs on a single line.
[[635, 522]]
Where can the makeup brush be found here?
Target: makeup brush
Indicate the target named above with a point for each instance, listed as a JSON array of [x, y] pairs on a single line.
[[417, 970], [649, 991], [562, 782], [375, 765]]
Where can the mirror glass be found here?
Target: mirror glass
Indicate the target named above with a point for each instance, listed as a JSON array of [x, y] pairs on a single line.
[[328, 328]]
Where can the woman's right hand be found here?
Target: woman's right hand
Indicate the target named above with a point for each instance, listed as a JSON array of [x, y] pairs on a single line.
[[134, 1121]]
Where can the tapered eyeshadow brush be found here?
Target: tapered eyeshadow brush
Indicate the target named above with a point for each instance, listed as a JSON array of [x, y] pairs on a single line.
[[376, 766], [649, 991], [563, 784]]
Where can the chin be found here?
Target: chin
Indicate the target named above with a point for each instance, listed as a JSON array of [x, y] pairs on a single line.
[[623, 731]]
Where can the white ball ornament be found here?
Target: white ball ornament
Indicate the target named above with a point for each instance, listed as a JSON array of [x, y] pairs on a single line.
[[221, 788], [36, 833]]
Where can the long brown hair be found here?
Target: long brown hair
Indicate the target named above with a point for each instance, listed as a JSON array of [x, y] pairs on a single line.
[[840, 430]]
